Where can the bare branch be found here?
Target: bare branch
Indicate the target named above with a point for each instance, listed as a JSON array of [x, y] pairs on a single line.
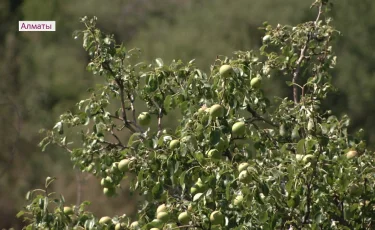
[[297, 71]]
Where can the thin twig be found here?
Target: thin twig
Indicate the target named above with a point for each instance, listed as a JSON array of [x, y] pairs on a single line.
[[298, 70], [256, 115]]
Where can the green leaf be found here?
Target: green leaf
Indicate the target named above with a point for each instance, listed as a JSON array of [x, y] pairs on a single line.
[[197, 196], [160, 62], [301, 147]]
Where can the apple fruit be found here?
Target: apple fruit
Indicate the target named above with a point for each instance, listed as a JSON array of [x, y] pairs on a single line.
[[154, 228], [161, 208], [351, 154], [105, 220], [163, 216], [198, 187], [68, 211], [157, 223], [120, 226], [256, 82], [214, 154], [216, 218], [174, 144], [134, 225], [243, 166], [123, 165], [244, 177], [266, 38], [106, 182], [308, 158], [239, 128], [184, 218], [144, 119], [171, 226], [226, 71], [110, 191], [238, 200], [216, 111]]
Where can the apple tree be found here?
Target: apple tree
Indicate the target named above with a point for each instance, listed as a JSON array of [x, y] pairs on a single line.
[[237, 160]]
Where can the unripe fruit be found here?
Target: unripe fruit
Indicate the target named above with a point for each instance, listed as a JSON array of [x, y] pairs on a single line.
[[244, 177], [214, 154], [172, 226], [174, 144], [154, 229], [256, 82], [310, 125], [161, 208], [266, 38], [282, 130], [123, 165], [144, 119], [163, 216], [184, 218], [68, 211], [157, 223], [239, 128], [109, 191], [134, 225], [307, 158], [226, 71], [238, 200], [243, 166], [105, 220], [120, 226], [216, 218], [106, 182], [198, 187], [351, 154], [216, 111]]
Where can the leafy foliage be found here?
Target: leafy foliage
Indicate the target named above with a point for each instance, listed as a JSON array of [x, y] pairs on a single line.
[[293, 165]]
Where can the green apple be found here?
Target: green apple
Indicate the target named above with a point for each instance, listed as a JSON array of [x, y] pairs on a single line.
[[154, 228], [174, 144], [214, 154], [105, 220], [123, 165], [256, 82], [161, 208], [216, 218], [106, 182], [157, 223], [244, 177], [171, 226], [266, 38], [282, 130], [184, 218], [144, 119], [226, 71], [68, 211], [299, 157], [243, 166], [239, 128], [216, 111], [134, 225], [308, 158], [238, 200], [163, 216], [198, 187], [110, 191], [351, 154], [120, 226]]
